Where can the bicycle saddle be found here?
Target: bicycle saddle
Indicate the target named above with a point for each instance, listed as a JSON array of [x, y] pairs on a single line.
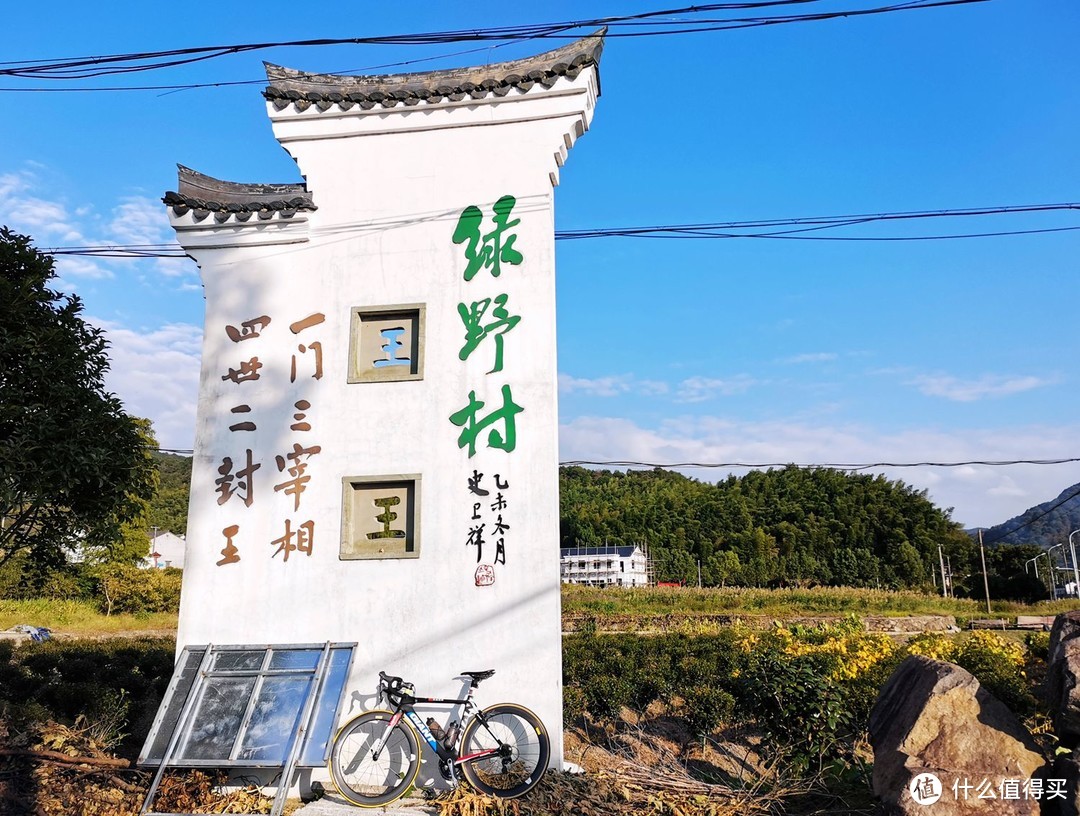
[[477, 676]]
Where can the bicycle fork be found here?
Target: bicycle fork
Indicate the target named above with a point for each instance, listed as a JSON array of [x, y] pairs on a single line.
[[394, 720]]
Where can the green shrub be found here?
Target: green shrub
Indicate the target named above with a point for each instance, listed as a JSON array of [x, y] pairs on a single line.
[[123, 588], [606, 695], [706, 707], [803, 710], [573, 704], [115, 686], [1000, 672], [1038, 644], [997, 663]]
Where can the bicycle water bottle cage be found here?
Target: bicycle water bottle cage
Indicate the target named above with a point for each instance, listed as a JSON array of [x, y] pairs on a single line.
[[477, 676]]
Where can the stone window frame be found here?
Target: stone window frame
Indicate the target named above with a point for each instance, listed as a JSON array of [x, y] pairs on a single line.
[[347, 490], [357, 315]]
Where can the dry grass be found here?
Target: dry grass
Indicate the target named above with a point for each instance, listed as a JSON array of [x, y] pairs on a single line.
[[80, 618], [647, 766], [786, 602]]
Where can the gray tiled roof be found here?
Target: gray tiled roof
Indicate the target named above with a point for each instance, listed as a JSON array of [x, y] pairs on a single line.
[[291, 87], [204, 195], [596, 552]]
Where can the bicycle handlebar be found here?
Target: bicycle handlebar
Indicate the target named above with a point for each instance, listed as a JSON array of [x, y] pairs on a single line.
[[393, 688]]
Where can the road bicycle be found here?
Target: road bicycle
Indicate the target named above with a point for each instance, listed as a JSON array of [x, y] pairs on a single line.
[[501, 750]]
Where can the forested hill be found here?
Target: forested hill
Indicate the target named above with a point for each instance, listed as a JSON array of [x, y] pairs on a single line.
[[788, 526], [1043, 525], [169, 507]]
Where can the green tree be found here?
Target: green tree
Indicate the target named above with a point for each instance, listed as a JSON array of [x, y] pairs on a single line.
[[74, 466], [169, 507], [723, 568]]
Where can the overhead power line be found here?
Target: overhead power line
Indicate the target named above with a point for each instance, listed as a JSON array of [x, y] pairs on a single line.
[[688, 20], [804, 466], [833, 465], [724, 229], [1028, 522]]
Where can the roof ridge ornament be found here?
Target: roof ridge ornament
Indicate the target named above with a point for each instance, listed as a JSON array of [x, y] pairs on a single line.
[[289, 86]]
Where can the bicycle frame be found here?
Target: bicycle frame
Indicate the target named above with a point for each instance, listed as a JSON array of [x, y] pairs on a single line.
[[403, 708]]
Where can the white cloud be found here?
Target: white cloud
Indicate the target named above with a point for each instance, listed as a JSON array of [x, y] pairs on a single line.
[[990, 385], [139, 220], [816, 357], [652, 388], [699, 389], [691, 389], [980, 495], [77, 266], [135, 220], [10, 183], [156, 374], [611, 386]]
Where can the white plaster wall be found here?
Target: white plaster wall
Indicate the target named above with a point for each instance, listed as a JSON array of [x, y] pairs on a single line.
[[170, 549], [389, 191]]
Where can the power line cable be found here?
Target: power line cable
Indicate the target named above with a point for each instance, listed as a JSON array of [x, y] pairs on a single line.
[[803, 466], [87, 67], [721, 228], [810, 466], [690, 231], [1033, 519]]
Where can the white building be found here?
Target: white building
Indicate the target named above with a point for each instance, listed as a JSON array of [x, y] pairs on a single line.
[[604, 566], [166, 550], [376, 440]]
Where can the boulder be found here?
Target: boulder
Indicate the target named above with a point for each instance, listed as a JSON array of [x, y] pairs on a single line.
[[1067, 770], [1062, 673], [935, 718]]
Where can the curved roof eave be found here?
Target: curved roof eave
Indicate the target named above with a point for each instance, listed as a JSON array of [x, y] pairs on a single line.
[[288, 85]]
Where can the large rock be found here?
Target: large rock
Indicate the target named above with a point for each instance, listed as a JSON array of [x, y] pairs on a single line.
[[934, 717], [1067, 770], [1062, 673]]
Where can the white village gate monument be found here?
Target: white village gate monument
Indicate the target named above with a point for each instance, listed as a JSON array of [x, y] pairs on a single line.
[[376, 442]]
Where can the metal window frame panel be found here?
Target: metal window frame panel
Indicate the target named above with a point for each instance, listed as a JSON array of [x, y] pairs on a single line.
[[297, 739]]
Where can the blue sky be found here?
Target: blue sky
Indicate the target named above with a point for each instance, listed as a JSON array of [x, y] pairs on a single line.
[[748, 350]]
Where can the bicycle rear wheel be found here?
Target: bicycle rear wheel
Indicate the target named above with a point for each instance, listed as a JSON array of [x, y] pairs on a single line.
[[364, 779], [523, 755]]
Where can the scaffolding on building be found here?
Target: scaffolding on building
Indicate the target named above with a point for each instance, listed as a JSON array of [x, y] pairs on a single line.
[[605, 565]]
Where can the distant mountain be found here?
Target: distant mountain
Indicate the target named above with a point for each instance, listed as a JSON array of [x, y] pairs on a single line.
[[1044, 525]]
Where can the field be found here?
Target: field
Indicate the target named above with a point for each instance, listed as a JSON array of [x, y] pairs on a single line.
[[655, 720], [782, 603], [81, 618]]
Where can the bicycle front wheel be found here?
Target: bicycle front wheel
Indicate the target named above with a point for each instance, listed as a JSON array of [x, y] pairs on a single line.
[[362, 777], [522, 751]]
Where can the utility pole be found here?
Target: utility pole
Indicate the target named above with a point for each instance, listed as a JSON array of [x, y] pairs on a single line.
[[944, 581], [986, 581], [699, 573]]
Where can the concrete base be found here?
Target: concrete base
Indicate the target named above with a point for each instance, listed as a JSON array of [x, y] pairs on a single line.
[[335, 805]]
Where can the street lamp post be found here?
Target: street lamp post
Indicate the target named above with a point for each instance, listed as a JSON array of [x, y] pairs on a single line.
[[1050, 569], [1033, 561], [1076, 571], [986, 581], [1053, 568]]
